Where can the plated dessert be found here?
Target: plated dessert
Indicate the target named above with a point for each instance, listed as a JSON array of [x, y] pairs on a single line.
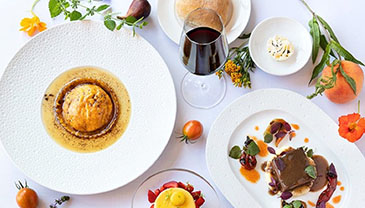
[[82, 111]]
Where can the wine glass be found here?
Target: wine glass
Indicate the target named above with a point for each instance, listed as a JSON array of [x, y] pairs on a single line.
[[203, 51]]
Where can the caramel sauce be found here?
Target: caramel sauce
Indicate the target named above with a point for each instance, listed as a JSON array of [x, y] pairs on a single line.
[[342, 188], [328, 205], [74, 143], [306, 140], [251, 175], [295, 126], [322, 169], [311, 203], [257, 128], [336, 199]]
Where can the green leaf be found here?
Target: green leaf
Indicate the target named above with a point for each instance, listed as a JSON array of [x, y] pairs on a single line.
[[252, 148], [130, 19], [297, 204], [110, 24], [348, 79], [344, 53], [319, 68], [54, 8], [288, 206], [311, 171], [316, 34], [323, 43], [102, 7], [328, 28], [120, 26], [244, 36], [310, 153], [235, 152], [75, 15], [268, 138]]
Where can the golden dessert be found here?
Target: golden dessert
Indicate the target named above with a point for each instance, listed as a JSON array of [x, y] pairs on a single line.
[[85, 114], [223, 7], [175, 198]]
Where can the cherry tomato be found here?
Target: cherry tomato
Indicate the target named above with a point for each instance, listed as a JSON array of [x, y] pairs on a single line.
[[26, 197], [192, 131]]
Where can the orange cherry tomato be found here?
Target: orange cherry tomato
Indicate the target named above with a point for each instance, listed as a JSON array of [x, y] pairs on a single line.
[[192, 131], [26, 197]]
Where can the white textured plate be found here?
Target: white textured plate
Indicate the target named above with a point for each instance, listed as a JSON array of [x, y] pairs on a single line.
[[258, 109], [296, 33], [173, 27], [133, 60]]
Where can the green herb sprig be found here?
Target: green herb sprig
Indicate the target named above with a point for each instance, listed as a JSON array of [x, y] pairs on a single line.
[[71, 11], [293, 204], [250, 148], [60, 201], [327, 40], [240, 56]]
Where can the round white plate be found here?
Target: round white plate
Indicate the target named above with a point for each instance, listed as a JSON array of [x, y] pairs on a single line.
[[173, 27], [257, 109], [133, 60], [296, 33]]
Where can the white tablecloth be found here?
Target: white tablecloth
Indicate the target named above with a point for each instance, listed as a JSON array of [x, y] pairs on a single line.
[[346, 18]]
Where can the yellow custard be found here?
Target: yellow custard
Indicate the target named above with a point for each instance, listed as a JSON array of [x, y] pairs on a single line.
[[175, 198]]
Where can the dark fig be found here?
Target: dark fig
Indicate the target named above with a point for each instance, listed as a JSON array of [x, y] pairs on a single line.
[[138, 9]]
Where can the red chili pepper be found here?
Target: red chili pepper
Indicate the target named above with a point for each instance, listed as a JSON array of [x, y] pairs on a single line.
[[331, 188], [248, 161]]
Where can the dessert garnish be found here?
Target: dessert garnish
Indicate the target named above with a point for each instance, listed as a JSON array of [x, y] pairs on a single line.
[[175, 195], [280, 48], [279, 129], [326, 195], [191, 131], [246, 156], [293, 204]]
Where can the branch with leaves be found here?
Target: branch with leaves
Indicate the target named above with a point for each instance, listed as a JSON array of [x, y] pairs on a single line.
[[71, 9], [325, 38], [239, 64]]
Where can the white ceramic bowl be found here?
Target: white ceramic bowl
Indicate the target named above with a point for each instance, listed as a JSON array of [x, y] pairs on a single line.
[[295, 32]]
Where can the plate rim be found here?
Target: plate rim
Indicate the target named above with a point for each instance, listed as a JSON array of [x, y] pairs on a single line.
[[38, 35], [230, 39], [226, 187]]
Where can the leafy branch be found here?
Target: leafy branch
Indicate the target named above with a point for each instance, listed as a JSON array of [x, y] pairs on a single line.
[[329, 42], [71, 11]]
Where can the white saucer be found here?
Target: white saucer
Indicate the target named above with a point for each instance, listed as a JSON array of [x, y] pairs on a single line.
[[296, 33], [173, 27]]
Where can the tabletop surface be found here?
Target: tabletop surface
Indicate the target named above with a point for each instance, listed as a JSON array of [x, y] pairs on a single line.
[[345, 17]]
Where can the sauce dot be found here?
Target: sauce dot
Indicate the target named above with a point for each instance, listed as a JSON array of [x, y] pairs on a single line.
[[293, 134], [251, 175], [311, 203], [339, 183], [263, 148], [295, 126], [306, 140], [342, 188], [336, 199], [328, 205], [257, 128]]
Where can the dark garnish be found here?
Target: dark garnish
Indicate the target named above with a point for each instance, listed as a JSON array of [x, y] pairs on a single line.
[[271, 150], [326, 195], [286, 195]]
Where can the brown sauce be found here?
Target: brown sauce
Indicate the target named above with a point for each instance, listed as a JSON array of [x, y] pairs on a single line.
[[322, 169], [251, 175], [72, 142], [263, 166]]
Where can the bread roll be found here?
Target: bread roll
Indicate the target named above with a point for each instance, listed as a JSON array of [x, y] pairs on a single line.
[[223, 7]]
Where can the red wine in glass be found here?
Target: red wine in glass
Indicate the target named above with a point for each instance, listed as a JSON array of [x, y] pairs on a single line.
[[204, 50]]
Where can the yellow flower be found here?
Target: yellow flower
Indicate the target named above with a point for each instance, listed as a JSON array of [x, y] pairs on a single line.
[[31, 25]]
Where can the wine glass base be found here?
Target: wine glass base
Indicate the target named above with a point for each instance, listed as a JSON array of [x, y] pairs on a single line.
[[203, 91]]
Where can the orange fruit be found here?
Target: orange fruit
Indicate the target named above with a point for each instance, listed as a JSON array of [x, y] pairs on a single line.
[[342, 91]]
